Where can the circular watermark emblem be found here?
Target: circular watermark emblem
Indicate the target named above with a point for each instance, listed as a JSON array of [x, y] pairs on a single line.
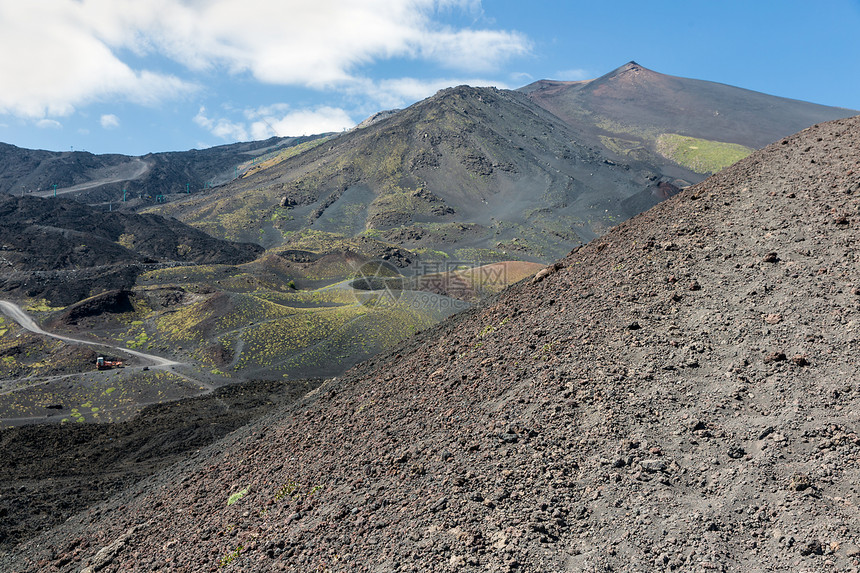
[[378, 283]]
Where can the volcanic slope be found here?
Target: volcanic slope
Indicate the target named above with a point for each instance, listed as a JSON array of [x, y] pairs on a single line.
[[102, 178], [481, 173], [664, 119], [65, 251], [467, 171], [681, 393]]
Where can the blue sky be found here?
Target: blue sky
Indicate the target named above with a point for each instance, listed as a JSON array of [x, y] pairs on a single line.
[[137, 76]]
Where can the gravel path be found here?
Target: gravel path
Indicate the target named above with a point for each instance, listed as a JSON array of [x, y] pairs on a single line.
[[17, 314]]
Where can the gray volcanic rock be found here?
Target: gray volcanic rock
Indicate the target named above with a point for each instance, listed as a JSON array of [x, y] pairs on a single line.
[[102, 178], [65, 251], [542, 432]]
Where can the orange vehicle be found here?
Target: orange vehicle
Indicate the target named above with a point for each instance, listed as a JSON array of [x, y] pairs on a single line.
[[103, 363]]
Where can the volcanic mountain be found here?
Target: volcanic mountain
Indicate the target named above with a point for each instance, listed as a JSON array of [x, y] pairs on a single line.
[[633, 100], [497, 174], [115, 178], [65, 251], [470, 174], [680, 393], [469, 171], [665, 121]]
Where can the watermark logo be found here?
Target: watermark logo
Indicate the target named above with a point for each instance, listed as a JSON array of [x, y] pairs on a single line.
[[378, 283], [442, 286]]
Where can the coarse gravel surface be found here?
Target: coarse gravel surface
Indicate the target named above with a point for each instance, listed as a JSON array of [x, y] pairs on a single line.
[[679, 394]]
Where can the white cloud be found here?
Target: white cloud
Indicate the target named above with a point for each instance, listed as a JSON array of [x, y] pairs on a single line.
[[302, 122], [49, 124], [267, 111], [54, 60], [69, 53], [109, 121], [573, 75], [399, 92], [522, 77], [222, 128], [474, 50], [278, 119]]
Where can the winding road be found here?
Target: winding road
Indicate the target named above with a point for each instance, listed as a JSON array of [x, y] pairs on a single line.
[[134, 169], [17, 314]]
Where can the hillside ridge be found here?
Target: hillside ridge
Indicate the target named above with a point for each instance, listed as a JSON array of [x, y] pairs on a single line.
[[680, 393]]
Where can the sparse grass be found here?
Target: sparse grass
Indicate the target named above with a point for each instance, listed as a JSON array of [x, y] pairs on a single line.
[[476, 255], [190, 273], [700, 155], [231, 556], [622, 146], [271, 160], [139, 341], [127, 240], [42, 305], [107, 397], [269, 342], [236, 496], [432, 255]]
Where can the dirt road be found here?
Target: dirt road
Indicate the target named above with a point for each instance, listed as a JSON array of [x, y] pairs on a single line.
[[17, 314], [134, 169]]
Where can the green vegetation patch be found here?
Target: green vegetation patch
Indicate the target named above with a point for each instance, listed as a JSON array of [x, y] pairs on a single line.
[[42, 305], [308, 298], [622, 146], [249, 309], [127, 240], [480, 256], [372, 329], [186, 322], [269, 161], [186, 274], [268, 343], [700, 155], [27, 356], [236, 496], [97, 397]]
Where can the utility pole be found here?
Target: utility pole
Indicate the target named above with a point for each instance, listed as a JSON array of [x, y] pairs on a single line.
[[188, 188], [55, 189], [124, 191]]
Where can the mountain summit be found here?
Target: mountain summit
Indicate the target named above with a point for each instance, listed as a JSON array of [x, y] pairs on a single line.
[[679, 394], [498, 174], [637, 101]]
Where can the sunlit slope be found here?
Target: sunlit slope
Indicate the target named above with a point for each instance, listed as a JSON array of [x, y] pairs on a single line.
[[490, 160], [632, 110]]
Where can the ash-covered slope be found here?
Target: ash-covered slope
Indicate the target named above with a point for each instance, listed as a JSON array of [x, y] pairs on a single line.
[[635, 99], [102, 178], [681, 393], [42, 237], [489, 159]]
